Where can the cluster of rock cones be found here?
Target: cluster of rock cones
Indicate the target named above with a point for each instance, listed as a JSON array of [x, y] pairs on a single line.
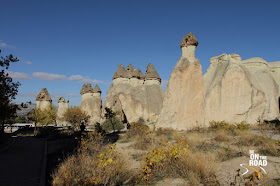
[[232, 90]]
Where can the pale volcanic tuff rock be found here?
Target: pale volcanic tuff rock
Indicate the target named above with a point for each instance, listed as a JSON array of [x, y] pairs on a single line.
[[133, 97], [43, 99], [237, 90], [63, 105], [275, 69], [184, 97], [262, 73], [91, 102]]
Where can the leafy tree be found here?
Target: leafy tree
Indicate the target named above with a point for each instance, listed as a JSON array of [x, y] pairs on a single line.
[[111, 122], [48, 116], [75, 116], [21, 119], [43, 117], [8, 91], [114, 124]]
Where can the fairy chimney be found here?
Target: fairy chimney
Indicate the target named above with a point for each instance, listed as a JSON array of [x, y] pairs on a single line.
[[151, 75], [86, 91], [62, 107], [43, 99], [184, 98]]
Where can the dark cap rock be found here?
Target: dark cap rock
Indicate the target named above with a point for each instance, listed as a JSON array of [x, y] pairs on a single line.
[[96, 89], [87, 88], [189, 40], [129, 71], [62, 100], [120, 73], [151, 73], [138, 74], [43, 95]]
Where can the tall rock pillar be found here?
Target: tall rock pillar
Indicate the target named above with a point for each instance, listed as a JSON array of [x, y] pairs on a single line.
[[184, 99], [62, 107], [91, 102]]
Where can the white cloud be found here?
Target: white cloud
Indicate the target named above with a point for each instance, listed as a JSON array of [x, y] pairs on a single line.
[[71, 95], [27, 62], [58, 95], [18, 75], [5, 45], [27, 94], [82, 79], [47, 76]]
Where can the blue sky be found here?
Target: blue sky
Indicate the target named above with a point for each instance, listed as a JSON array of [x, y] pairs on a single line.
[[63, 44]]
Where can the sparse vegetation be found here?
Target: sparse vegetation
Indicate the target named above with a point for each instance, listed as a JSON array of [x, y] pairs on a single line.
[[190, 155], [94, 164]]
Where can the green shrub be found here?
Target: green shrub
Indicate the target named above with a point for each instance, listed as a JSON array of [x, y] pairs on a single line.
[[98, 128], [112, 124], [141, 121], [21, 119], [242, 126], [222, 125]]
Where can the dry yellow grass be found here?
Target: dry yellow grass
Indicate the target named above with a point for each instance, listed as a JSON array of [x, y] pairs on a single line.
[[94, 164], [191, 155]]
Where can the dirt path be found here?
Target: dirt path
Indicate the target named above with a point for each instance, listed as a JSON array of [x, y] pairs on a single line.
[[132, 156], [21, 163]]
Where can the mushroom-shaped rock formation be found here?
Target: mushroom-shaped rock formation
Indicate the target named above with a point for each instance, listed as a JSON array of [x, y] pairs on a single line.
[[86, 91], [184, 98], [92, 103], [151, 75], [188, 46], [238, 90], [62, 100], [134, 98], [43, 99], [43, 95], [62, 107], [189, 40], [87, 88]]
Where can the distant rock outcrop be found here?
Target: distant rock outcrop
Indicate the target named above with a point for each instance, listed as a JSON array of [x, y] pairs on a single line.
[[63, 105], [237, 90], [43, 99], [91, 102], [135, 95], [184, 97]]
